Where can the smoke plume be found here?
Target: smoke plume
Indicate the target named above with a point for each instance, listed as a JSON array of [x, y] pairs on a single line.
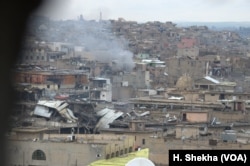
[[95, 36]]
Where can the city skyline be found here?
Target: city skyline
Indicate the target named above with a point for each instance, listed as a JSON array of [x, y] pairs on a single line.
[[157, 10]]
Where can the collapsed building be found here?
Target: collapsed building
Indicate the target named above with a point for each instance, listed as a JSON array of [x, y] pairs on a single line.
[[49, 109], [61, 97], [57, 115]]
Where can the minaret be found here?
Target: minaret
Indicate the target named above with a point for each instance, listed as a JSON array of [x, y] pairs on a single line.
[[100, 19]]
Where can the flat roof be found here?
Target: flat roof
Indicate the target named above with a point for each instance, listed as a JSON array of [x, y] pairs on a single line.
[[125, 130], [29, 129]]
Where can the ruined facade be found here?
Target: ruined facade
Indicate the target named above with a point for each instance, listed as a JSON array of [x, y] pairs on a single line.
[[53, 79]]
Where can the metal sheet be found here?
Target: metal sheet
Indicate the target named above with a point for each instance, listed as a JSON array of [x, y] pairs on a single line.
[[108, 117], [103, 111], [42, 111], [71, 114], [58, 105], [68, 114], [212, 79], [51, 104], [62, 106]]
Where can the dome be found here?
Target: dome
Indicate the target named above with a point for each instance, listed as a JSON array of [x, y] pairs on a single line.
[[139, 161], [184, 82]]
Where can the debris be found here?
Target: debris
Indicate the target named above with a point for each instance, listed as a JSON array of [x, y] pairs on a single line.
[[176, 98], [47, 109], [107, 116]]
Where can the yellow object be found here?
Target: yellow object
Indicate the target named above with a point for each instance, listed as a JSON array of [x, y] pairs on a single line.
[[121, 160]]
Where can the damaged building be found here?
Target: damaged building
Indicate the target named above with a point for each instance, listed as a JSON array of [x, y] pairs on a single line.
[[40, 52], [59, 115], [101, 89], [44, 83], [54, 109], [52, 79], [176, 96]]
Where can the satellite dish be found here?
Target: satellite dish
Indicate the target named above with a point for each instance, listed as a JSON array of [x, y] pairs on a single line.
[[140, 161]]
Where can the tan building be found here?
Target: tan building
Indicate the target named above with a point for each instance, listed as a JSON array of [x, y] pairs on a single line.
[[187, 131], [179, 66], [144, 138], [211, 84], [206, 83], [101, 89], [137, 130], [194, 116], [188, 47], [25, 148]]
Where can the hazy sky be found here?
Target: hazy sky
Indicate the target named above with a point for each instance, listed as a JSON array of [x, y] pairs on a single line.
[[150, 10]]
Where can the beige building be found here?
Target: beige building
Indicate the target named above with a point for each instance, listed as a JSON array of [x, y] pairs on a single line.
[[187, 131], [211, 84], [179, 66], [31, 146], [144, 138], [137, 130], [194, 116], [188, 47]]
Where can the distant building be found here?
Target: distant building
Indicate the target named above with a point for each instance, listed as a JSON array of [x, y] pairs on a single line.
[[101, 89], [187, 132], [125, 85], [179, 66], [35, 52], [188, 47], [212, 84], [53, 79], [40, 52], [195, 116]]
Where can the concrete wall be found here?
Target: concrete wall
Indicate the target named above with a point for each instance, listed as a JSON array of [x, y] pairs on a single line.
[[57, 154], [122, 93], [234, 96], [191, 96], [60, 151], [137, 137], [177, 67], [192, 52], [34, 55], [212, 97], [228, 117], [106, 96], [187, 131], [28, 136], [197, 117], [48, 86], [113, 143], [40, 79]]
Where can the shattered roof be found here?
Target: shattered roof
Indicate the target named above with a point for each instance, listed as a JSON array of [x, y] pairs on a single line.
[[108, 116], [42, 109], [52, 104]]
